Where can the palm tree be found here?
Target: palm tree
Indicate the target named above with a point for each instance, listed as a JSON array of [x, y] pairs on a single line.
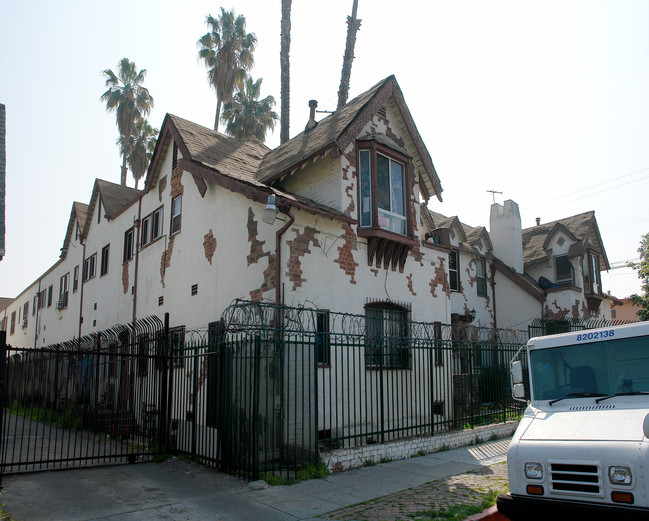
[[227, 51], [140, 148], [129, 100], [245, 115], [285, 94]]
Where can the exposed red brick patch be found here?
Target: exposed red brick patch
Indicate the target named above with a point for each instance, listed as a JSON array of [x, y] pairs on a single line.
[[298, 248], [375, 271], [165, 260], [256, 254], [409, 277], [176, 190], [345, 256], [256, 246], [440, 280], [269, 281], [209, 244], [125, 284]]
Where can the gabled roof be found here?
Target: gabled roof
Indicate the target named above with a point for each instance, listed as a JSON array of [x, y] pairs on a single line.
[[114, 198], [335, 132], [583, 227], [78, 214], [469, 235], [233, 163]]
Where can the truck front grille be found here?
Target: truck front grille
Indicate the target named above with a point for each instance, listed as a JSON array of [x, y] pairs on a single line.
[[575, 478]]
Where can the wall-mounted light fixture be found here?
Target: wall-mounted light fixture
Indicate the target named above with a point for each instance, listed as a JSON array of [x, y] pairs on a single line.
[[472, 314], [270, 213]]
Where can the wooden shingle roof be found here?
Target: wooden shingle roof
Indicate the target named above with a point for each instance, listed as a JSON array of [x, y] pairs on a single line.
[[335, 132], [583, 227]]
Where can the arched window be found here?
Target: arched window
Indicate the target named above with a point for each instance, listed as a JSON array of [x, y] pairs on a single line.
[[387, 336]]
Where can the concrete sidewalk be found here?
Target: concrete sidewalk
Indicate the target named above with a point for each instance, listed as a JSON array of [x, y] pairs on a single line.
[[175, 490]]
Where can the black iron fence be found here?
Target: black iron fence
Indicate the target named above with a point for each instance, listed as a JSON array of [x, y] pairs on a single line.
[[95, 401], [568, 324], [263, 390]]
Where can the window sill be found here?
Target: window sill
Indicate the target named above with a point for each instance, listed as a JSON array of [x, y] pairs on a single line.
[[385, 234]]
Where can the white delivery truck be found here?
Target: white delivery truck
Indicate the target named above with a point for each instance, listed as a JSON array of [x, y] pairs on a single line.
[[582, 446]]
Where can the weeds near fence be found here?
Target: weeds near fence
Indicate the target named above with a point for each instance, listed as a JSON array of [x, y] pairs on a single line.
[[68, 419], [317, 471]]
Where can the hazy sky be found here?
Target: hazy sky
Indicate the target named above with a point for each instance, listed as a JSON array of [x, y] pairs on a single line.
[[547, 102]]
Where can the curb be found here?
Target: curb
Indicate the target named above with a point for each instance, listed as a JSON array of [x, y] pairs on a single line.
[[491, 514]]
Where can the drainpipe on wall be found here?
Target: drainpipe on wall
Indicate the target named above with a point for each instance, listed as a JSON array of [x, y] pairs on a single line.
[[493, 292], [278, 253], [137, 256], [83, 261], [38, 310]]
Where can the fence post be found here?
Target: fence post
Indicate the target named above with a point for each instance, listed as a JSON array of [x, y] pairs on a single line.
[[3, 384], [255, 410], [165, 390]]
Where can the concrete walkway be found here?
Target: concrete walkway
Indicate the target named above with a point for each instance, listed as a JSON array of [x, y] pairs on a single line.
[[175, 490]]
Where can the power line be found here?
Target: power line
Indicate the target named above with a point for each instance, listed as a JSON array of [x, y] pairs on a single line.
[[543, 206]]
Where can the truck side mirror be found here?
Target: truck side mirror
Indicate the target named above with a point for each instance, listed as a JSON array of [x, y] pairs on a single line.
[[518, 384], [645, 426], [517, 372], [518, 392]]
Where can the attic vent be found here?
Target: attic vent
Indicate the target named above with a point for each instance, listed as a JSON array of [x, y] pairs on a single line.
[[174, 161], [383, 112]]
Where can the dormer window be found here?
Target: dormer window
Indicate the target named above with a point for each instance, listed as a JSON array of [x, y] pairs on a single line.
[[383, 181], [563, 270], [384, 212]]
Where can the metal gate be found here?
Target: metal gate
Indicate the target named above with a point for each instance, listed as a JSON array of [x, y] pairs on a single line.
[[94, 401]]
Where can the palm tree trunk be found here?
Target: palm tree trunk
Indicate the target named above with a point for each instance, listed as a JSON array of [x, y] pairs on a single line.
[[123, 177], [353, 25], [218, 114], [285, 93]]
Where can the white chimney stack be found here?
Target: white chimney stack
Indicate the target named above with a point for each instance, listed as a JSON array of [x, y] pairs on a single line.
[[506, 234]]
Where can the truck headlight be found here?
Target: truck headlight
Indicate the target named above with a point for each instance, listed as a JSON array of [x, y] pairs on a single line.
[[619, 475], [533, 470]]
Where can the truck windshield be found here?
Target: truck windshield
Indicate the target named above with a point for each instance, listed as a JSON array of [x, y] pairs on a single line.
[[599, 368]]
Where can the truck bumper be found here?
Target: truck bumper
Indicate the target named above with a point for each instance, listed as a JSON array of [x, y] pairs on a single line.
[[528, 508]]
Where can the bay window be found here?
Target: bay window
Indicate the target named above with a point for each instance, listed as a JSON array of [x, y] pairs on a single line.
[[383, 179]]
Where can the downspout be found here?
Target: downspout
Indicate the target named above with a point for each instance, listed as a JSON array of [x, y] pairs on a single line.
[[493, 292], [278, 254], [38, 310], [137, 256], [82, 284]]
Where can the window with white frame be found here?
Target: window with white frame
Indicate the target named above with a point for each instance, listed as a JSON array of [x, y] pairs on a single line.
[[75, 279], [64, 284], [176, 209], [105, 255], [382, 189], [89, 267], [563, 269], [481, 279], [151, 227], [454, 270], [129, 235], [594, 276]]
